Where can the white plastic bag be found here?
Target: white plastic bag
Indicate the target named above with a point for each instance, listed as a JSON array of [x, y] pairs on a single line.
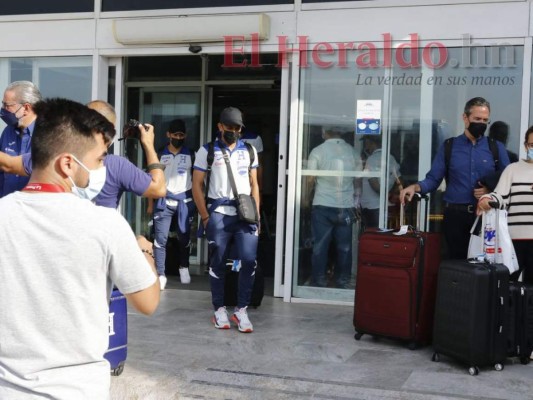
[[476, 250], [506, 252]]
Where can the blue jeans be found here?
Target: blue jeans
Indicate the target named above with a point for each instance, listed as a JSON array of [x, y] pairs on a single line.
[[329, 223], [220, 231], [162, 221]]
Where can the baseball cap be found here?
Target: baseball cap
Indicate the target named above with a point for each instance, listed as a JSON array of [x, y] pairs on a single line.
[[176, 125], [231, 116]]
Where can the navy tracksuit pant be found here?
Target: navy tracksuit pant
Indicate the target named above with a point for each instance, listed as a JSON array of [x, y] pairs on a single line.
[[221, 232]]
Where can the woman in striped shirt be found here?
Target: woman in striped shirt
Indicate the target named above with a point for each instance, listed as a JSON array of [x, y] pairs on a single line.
[[515, 192]]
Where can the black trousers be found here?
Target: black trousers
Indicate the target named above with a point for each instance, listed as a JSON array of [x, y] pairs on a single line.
[[524, 256], [456, 229]]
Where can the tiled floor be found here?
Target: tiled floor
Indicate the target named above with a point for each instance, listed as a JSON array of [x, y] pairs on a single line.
[[298, 351]]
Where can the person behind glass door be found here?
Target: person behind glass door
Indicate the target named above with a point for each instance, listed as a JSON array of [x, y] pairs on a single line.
[[514, 192], [499, 131], [370, 189], [220, 220], [255, 140], [176, 204], [17, 112], [333, 206], [471, 160]]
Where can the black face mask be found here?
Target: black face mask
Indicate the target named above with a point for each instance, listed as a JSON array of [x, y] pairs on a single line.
[[177, 143], [230, 137], [477, 129]]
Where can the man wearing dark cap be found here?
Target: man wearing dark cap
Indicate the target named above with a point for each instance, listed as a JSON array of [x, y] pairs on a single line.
[[219, 215], [177, 202]]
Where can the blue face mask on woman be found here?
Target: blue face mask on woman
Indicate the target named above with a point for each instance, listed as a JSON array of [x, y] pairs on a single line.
[[530, 154]]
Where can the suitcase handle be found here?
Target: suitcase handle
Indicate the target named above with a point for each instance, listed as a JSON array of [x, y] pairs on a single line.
[[418, 199]]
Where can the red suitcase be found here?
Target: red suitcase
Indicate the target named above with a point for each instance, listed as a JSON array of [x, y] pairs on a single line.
[[396, 284]]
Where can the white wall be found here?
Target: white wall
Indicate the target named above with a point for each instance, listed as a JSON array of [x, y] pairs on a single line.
[[505, 20], [60, 37]]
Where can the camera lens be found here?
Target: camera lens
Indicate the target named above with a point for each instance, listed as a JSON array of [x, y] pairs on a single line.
[[131, 129]]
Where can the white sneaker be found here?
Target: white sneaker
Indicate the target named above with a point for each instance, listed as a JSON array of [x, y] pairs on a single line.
[[240, 317], [162, 281], [184, 275], [220, 319]]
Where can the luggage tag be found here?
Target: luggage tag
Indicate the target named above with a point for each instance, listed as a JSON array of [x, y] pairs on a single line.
[[403, 230]]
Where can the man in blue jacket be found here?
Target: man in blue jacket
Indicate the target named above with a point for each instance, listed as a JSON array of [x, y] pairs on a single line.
[[17, 112], [471, 159]]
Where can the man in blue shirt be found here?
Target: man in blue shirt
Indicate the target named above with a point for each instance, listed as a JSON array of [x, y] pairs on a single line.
[[471, 160], [18, 114]]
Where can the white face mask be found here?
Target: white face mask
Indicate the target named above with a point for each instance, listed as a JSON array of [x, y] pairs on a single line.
[[95, 185]]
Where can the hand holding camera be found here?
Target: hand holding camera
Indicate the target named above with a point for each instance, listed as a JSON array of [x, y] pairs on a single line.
[[133, 129]]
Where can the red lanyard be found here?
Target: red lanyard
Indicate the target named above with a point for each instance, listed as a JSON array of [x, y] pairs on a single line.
[[43, 187]]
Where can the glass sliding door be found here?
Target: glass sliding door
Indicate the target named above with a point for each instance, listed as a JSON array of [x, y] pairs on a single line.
[[159, 106], [416, 108]]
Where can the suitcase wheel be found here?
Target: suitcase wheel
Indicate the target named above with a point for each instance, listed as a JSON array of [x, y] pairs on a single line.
[[435, 357], [473, 371], [118, 370], [358, 336], [498, 367], [525, 360]]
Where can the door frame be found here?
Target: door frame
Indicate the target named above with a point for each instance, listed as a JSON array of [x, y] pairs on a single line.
[[205, 122]]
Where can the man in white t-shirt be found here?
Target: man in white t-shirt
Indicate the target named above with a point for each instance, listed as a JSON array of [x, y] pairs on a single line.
[[60, 254], [219, 215], [333, 212], [177, 204], [370, 190]]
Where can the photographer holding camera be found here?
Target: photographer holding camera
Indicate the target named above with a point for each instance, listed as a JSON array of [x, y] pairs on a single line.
[[120, 175]]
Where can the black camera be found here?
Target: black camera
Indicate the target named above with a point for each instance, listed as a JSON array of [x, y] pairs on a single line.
[[131, 130]]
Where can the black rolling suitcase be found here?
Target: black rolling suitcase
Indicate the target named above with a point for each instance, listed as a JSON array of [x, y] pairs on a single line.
[[471, 311], [520, 321], [470, 314]]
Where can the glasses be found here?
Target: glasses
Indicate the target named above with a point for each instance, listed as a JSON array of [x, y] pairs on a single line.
[[178, 135], [7, 105]]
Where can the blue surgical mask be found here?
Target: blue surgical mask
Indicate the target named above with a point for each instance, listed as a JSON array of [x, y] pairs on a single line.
[[10, 118], [96, 182], [530, 154]]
